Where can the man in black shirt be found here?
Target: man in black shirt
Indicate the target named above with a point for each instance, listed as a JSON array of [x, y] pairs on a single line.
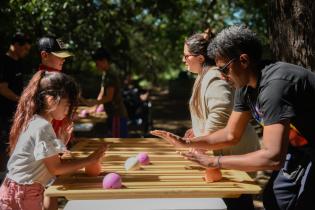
[[11, 86], [280, 96]]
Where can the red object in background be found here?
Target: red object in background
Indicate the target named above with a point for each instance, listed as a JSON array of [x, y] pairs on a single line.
[[296, 139], [46, 68], [57, 124]]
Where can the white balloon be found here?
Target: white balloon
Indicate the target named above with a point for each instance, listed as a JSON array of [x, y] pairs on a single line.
[[132, 164]]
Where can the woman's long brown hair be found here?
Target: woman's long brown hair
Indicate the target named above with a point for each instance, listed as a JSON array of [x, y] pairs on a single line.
[[32, 100], [197, 45]]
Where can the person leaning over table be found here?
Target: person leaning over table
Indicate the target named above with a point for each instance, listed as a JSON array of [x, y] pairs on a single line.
[[110, 95], [211, 104], [279, 96]]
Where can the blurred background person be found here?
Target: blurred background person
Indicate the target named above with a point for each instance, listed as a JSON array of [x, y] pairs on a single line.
[[11, 86], [110, 96]]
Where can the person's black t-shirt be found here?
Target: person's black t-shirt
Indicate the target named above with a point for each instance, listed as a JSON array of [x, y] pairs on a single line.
[[11, 72], [284, 91], [115, 107]]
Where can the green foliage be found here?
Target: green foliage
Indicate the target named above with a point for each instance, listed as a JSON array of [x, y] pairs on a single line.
[[145, 37]]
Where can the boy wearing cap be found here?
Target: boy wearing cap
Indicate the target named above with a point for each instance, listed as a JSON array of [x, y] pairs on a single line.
[[53, 53], [11, 86]]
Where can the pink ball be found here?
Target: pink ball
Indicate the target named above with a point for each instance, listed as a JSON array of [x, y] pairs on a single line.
[[75, 117], [100, 108], [84, 113], [112, 181], [143, 158]]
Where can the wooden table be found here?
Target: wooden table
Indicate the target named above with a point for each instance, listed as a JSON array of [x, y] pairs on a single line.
[[168, 176], [93, 118]]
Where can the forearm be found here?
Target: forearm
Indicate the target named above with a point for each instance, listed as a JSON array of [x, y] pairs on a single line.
[[227, 136], [254, 161], [8, 93], [68, 166], [101, 93], [217, 140]]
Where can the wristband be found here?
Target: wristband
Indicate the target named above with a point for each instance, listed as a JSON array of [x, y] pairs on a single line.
[[218, 162]]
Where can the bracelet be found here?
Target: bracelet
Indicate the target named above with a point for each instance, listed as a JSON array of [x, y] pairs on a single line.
[[218, 165]]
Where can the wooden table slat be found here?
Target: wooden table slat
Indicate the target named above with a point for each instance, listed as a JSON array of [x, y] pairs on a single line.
[[168, 176]]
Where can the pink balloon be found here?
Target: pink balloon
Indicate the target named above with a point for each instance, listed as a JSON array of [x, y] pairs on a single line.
[[84, 113], [100, 108], [143, 158], [112, 181]]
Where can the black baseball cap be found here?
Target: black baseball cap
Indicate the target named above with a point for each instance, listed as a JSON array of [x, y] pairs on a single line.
[[54, 46]]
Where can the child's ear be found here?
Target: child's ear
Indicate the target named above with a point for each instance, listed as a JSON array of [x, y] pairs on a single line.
[[244, 60], [201, 58], [50, 101], [44, 54]]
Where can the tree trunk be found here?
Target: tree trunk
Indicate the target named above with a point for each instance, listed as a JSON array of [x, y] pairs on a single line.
[[292, 31]]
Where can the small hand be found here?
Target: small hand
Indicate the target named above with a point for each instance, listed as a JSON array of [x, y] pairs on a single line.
[[98, 154], [65, 131], [173, 139], [198, 150], [189, 133], [195, 139], [200, 158]]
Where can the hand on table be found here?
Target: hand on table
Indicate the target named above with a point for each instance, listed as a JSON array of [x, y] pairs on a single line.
[[193, 139], [173, 139], [200, 158], [98, 154], [189, 133]]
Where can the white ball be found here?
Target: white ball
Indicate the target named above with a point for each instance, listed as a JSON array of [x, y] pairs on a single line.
[[132, 164]]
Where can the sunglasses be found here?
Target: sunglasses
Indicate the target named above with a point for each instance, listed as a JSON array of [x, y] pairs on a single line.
[[224, 69], [187, 56]]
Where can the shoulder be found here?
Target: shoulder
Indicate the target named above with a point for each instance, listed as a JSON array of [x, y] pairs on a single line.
[[111, 77], [39, 124], [283, 71], [213, 72], [212, 79]]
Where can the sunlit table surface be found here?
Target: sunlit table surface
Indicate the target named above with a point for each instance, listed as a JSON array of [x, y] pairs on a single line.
[[169, 175]]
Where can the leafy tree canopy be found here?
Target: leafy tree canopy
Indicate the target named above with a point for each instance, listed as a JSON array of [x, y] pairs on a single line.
[[144, 37]]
